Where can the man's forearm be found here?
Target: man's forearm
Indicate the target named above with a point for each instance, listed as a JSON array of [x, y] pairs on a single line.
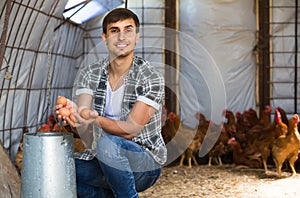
[[125, 129]]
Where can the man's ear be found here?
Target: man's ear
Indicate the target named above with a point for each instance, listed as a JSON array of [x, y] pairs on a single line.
[[103, 38]]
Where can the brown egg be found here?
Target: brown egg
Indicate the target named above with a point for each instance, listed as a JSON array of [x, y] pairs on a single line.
[[85, 113], [61, 100], [72, 118], [64, 112]]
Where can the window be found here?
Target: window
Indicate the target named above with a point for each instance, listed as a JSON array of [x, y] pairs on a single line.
[[80, 11]]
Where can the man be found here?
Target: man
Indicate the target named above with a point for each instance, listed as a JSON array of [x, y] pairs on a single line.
[[127, 94]]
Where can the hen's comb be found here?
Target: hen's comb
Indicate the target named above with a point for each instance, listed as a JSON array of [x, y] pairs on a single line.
[[296, 118], [278, 116], [268, 109], [231, 140]]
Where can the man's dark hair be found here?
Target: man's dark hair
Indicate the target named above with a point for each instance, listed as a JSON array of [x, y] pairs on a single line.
[[119, 14]]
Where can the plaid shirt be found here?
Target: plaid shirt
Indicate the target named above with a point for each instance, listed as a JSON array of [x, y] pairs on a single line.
[[142, 83]]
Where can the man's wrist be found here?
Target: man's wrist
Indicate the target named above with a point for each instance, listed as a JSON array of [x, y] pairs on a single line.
[[97, 121]]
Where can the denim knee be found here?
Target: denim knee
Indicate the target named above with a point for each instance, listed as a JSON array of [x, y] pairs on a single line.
[[111, 153]]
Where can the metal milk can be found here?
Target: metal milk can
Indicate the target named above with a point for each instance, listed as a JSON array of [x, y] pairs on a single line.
[[48, 167]]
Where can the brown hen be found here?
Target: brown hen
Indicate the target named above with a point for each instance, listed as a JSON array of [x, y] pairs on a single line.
[[193, 148], [287, 147], [171, 126], [242, 158], [265, 140]]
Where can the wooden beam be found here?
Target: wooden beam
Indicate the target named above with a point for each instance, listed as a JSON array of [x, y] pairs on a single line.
[[171, 100], [264, 53]]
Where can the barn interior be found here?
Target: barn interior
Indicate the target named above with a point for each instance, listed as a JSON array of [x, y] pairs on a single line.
[[215, 56]]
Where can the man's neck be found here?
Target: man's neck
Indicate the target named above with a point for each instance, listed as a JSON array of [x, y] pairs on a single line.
[[121, 65]]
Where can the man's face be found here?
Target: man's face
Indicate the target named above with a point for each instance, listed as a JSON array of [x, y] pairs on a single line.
[[121, 38]]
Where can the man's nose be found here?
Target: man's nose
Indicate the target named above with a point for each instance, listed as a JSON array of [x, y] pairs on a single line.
[[121, 35]]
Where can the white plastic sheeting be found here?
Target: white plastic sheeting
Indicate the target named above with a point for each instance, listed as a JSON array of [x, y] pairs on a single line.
[[38, 58], [226, 29]]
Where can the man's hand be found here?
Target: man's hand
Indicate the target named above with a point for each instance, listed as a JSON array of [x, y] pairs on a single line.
[[64, 111], [83, 120]]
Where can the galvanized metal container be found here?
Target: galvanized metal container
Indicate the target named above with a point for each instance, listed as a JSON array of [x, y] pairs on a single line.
[[48, 167]]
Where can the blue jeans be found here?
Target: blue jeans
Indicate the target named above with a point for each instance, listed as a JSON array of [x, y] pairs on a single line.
[[122, 169]]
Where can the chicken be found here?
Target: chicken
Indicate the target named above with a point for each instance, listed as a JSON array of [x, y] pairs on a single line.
[[219, 149], [251, 118], [240, 123], [230, 125], [283, 116], [241, 129], [283, 120], [58, 128], [44, 128], [51, 121], [171, 126], [19, 155], [190, 153], [175, 119], [195, 145], [286, 147], [265, 117], [265, 140], [256, 125], [241, 158], [227, 130]]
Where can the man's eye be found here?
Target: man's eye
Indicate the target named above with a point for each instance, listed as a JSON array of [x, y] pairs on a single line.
[[114, 31], [128, 30]]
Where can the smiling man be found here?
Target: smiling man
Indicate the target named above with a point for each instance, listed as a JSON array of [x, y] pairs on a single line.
[[126, 93]]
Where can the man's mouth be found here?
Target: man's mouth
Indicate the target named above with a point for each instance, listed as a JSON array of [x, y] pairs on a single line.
[[121, 45]]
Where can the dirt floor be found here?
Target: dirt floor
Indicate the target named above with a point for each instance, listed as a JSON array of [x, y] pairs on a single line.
[[223, 181]]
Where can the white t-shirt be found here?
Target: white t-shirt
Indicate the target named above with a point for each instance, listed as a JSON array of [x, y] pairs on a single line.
[[113, 103]]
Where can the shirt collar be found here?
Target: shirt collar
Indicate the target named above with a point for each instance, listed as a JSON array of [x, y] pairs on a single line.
[[132, 71], [106, 64]]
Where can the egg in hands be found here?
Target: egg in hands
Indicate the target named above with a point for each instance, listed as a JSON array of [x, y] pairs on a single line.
[[85, 113], [65, 112]]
